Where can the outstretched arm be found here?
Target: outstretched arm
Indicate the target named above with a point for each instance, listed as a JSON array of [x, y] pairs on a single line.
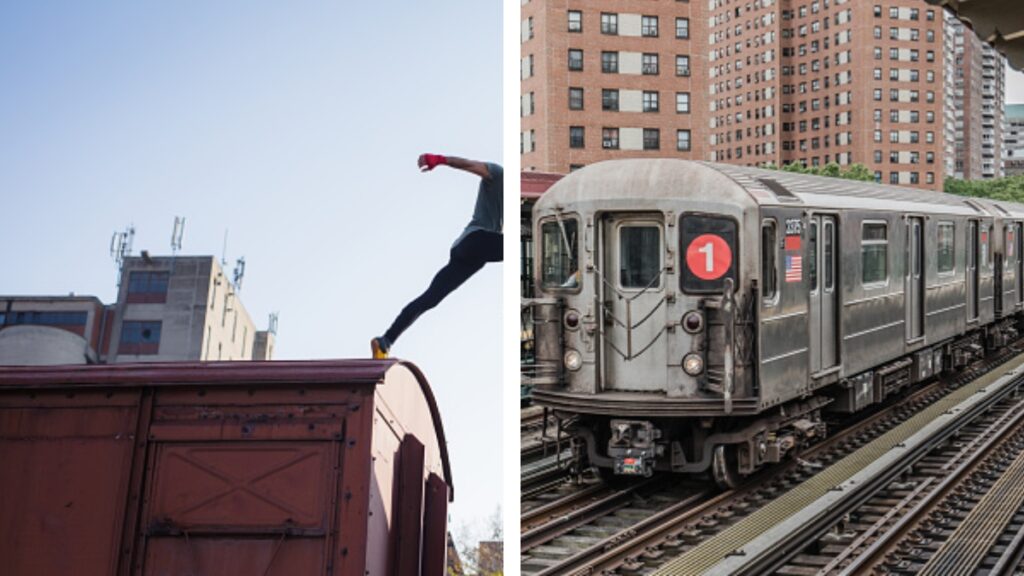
[[428, 162]]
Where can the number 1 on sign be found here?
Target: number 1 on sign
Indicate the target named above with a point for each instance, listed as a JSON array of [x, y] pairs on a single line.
[[708, 250]]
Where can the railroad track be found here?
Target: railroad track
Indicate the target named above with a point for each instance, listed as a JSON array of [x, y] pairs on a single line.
[[778, 536], [653, 541]]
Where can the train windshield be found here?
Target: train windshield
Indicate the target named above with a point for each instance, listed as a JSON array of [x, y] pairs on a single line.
[[560, 254], [708, 244]]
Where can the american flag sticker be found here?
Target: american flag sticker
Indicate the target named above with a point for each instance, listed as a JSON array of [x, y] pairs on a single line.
[[794, 268]]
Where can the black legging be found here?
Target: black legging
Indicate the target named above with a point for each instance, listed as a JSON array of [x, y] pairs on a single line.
[[465, 259]]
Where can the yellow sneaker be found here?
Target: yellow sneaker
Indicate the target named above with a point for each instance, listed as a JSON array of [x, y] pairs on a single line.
[[379, 349]]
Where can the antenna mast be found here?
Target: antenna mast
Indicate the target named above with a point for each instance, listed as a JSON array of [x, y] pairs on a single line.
[[121, 248], [239, 273], [176, 235]]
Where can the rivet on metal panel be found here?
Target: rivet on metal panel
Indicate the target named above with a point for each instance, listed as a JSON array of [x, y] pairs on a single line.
[[201, 392], [352, 442], [344, 551], [251, 392], [348, 495], [302, 391], [247, 429], [355, 407], [312, 427]]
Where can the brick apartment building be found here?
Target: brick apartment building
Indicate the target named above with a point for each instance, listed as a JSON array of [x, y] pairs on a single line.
[[743, 81], [167, 310]]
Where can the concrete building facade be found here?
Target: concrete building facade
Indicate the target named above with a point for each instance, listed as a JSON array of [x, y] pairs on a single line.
[[168, 309], [769, 82], [978, 100], [1013, 140]]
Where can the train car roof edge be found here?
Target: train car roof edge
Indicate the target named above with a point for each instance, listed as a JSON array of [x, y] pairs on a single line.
[[359, 371]]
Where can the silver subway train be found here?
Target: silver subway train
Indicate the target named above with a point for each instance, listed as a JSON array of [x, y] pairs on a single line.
[[699, 317]]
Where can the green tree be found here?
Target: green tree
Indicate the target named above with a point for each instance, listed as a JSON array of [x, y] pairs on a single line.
[[1010, 189]]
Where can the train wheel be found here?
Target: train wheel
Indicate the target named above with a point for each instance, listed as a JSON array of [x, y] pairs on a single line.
[[725, 467]]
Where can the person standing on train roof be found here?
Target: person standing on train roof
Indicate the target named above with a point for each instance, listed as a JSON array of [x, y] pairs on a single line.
[[479, 243]]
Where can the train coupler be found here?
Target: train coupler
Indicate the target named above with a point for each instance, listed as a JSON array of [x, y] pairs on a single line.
[[633, 447]]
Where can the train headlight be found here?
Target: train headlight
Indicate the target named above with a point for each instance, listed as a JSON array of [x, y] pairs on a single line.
[[693, 322], [572, 320], [693, 364], [573, 360]]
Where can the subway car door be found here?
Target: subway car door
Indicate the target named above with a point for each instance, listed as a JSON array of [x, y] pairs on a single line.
[[634, 353], [821, 261], [1018, 242], [915, 278], [972, 270]]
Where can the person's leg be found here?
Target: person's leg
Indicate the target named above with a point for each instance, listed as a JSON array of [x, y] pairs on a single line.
[[447, 279]]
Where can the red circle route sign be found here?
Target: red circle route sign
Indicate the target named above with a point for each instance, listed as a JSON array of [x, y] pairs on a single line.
[[708, 257]]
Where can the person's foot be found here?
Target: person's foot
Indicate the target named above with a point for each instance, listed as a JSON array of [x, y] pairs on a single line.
[[379, 347]]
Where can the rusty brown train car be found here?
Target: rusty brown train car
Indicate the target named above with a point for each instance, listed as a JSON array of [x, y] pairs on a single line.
[[272, 468]]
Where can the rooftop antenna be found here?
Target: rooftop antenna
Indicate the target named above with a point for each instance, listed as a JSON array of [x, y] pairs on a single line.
[[239, 273], [224, 250], [121, 248], [272, 324], [176, 235]]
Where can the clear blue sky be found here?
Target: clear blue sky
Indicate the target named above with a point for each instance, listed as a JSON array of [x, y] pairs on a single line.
[[295, 125]]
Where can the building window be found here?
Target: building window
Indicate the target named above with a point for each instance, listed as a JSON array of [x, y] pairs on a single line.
[[650, 101], [610, 62], [914, 12], [682, 102], [877, 32], [878, 156], [878, 52], [682, 65], [575, 98], [609, 23], [894, 12], [575, 21], [139, 337], [682, 28], [575, 59], [610, 100], [874, 252], [894, 177], [683, 140], [878, 94], [652, 139], [878, 11], [610, 138], [649, 64], [878, 74], [914, 178], [575, 136], [649, 26], [147, 287]]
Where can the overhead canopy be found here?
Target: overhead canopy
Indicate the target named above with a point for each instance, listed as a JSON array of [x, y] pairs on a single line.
[[998, 22]]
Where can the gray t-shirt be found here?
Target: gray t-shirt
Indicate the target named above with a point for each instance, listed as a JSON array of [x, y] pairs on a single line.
[[487, 214]]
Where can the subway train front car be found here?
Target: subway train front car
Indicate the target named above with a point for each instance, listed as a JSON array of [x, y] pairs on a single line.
[[702, 318]]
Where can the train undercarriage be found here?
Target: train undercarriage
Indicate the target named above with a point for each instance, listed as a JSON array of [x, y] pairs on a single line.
[[730, 448]]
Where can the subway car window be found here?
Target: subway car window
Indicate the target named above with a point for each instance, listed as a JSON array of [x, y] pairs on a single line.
[[828, 241], [769, 272], [708, 244], [945, 259], [639, 256], [874, 252], [812, 255], [560, 254], [986, 245]]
